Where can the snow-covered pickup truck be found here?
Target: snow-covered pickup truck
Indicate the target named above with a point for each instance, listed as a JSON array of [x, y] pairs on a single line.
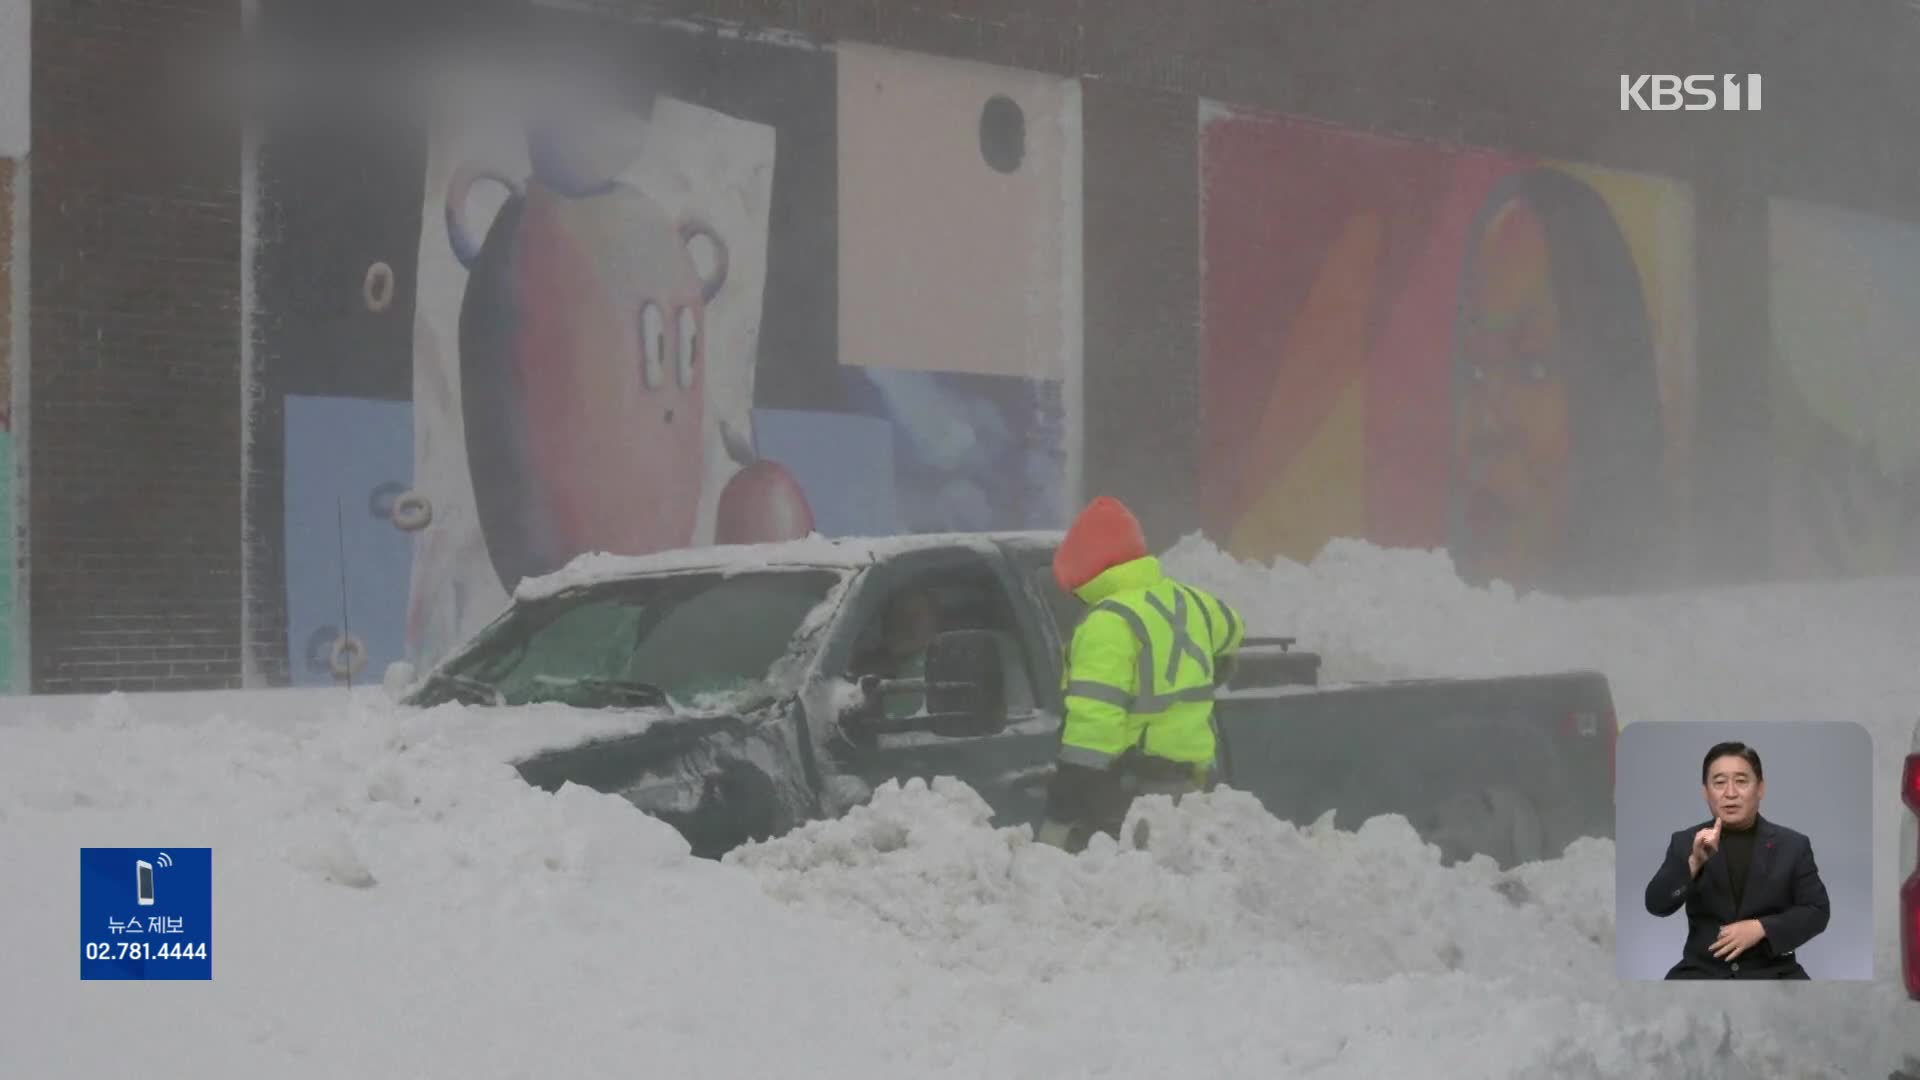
[[777, 683]]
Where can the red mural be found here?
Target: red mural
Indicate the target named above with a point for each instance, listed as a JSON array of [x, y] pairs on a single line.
[[1428, 346]]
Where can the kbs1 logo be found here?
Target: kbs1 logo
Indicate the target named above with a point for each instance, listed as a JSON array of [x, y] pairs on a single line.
[[1694, 93]]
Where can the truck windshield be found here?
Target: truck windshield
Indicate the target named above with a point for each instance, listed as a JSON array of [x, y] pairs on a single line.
[[685, 639]]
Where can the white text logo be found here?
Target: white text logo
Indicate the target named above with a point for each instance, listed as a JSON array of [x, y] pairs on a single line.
[[1666, 93]]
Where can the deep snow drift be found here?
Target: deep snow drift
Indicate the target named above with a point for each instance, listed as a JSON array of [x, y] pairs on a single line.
[[391, 900]]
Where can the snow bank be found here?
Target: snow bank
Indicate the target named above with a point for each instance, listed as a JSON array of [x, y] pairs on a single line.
[[1235, 944], [1777, 653], [1773, 653], [391, 900]]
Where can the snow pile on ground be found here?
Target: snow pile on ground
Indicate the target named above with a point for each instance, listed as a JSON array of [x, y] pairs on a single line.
[[391, 899], [1790, 652], [1224, 880], [1235, 944], [1830, 652]]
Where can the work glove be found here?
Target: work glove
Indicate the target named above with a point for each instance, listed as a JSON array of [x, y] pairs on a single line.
[[1080, 794]]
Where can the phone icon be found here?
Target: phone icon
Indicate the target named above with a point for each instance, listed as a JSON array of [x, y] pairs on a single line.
[[145, 870]]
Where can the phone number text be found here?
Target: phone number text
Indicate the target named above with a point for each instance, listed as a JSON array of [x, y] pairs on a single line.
[[143, 950]]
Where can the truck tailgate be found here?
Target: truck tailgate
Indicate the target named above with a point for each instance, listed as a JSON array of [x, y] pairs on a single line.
[[1515, 767]]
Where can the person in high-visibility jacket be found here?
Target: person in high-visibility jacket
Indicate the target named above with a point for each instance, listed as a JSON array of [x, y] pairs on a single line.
[[1139, 678]]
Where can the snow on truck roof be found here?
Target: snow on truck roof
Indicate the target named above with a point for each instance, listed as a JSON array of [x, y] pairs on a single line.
[[815, 551]]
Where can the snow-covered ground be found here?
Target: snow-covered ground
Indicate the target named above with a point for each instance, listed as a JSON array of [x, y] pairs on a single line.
[[392, 901]]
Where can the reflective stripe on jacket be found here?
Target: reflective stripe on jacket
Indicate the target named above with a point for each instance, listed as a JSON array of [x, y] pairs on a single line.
[[1140, 668]]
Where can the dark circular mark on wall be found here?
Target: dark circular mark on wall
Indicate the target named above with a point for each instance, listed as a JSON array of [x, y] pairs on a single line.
[[320, 649], [1003, 133], [381, 499]]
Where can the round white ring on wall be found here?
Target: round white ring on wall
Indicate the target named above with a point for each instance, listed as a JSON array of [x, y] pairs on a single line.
[[377, 287], [412, 511], [349, 655]]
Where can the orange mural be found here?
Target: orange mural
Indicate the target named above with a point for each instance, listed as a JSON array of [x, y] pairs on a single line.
[[1435, 347]]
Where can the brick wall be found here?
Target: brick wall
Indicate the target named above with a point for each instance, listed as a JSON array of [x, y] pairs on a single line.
[[134, 485]]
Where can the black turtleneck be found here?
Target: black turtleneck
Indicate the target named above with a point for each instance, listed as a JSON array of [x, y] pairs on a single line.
[[1738, 846]]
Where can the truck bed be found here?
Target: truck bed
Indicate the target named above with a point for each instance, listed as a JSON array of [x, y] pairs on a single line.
[[1518, 767]]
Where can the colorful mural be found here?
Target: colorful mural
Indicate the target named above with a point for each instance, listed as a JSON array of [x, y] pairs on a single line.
[[341, 500], [959, 275], [753, 292], [1433, 346], [1845, 304], [585, 339]]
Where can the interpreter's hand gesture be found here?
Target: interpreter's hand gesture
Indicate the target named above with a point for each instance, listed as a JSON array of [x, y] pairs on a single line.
[[1705, 843], [1737, 938]]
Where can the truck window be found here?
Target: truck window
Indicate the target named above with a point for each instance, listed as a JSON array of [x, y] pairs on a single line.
[[694, 636], [892, 642], [726, 638]]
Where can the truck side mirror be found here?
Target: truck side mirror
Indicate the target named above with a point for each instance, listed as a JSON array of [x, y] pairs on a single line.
[[966, 684]]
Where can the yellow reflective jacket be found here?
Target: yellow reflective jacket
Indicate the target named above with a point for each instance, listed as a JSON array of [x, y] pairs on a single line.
[[1140, 668]]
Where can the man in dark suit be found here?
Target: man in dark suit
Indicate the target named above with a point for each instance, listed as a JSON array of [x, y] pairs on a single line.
[[1752, 892]]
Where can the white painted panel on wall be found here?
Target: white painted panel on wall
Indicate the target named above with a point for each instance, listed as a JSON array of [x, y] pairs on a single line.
[[16, 39]]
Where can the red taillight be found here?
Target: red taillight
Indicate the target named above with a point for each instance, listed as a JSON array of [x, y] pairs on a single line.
[[1910, 889], [1910, 933]]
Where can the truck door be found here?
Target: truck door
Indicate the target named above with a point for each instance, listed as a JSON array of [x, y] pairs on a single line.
[[892, 614]]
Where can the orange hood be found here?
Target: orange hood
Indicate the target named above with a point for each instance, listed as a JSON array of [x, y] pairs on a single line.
[[1105, 535]]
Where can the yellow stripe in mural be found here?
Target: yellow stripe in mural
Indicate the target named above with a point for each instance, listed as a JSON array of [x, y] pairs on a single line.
[[1307, 460], [1320, 495]]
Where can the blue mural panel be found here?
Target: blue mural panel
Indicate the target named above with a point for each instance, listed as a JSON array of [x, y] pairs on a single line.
[[346, 461], [8, 560], [844, 463], [970, 452]]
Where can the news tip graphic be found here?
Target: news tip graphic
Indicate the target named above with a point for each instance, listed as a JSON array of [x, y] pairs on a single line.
[[146, 913]]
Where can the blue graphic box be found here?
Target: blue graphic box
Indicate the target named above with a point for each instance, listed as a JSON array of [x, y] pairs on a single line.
[[146, 913]]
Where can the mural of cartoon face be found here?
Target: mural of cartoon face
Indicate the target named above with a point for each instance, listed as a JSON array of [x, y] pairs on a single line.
[[1512, 440], [582, 352]]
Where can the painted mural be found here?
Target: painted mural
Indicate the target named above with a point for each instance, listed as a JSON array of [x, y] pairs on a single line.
[[750, 292], [1845, 304], [959, 283], [585, 344], [348, 563], [1439, 347]]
